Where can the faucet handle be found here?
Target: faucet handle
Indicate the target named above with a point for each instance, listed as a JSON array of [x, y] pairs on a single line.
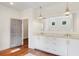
[[67, 35]]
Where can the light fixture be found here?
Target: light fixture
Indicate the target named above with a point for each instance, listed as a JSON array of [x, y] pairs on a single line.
[[67, 11], [11, 3], [40, 15]]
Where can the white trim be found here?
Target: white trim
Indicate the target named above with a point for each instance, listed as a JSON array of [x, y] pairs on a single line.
[[22, 32]]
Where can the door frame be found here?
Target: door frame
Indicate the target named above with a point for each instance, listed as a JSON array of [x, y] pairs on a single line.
[[22, 30]]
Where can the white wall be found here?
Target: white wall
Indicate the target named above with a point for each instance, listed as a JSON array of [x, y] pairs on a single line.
[[76, 22], [5, 15]]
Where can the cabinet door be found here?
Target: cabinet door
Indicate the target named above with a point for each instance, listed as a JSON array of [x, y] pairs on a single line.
[[50, 43], [73, 49], [32, 42], [61, 46], [39, 42], [46, 44]]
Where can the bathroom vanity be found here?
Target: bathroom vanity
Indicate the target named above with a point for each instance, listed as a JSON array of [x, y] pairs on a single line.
[[56, 35], [64, 44]]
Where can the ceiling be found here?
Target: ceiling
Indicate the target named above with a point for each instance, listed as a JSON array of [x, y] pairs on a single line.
[[25, 5]]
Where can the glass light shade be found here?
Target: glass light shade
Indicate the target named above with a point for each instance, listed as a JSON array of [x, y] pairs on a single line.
[[40, 17], [67, 10], [67, 13]]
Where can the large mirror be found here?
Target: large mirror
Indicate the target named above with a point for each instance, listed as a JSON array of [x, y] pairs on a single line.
[[59, 23]]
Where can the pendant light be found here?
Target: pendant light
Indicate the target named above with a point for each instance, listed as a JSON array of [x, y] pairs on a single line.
[[67, 11], [40, 15]]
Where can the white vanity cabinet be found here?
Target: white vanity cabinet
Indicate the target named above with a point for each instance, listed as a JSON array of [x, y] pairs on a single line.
[[40, 43], [50, 44], [58, 46], [33, 42], [45, 43], [61, 46], [73, 47]]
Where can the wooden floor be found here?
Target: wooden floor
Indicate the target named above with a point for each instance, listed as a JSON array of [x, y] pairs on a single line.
[[24, 50], [41, 53]]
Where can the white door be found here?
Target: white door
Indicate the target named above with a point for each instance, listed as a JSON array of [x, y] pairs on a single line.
[[16, 33], [73, 49]]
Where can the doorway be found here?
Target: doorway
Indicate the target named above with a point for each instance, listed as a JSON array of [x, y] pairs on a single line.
[[15, 33], [25, 32]]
